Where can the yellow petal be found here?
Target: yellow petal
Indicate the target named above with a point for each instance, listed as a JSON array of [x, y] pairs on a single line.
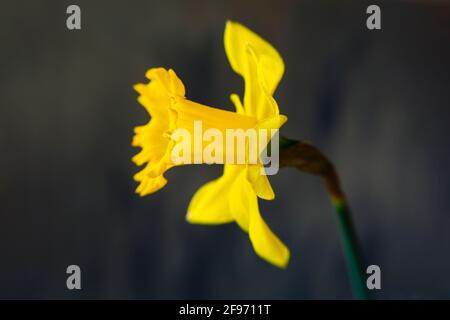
[[237, 103], [223, 200], [265, 242], [236, 39], [259, 64], [260, 182], [231, 197], [150, 185], [239, 197], [211, 203], [272, 123], [167, 79]]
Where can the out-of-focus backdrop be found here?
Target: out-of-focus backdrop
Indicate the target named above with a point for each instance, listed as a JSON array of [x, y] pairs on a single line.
[[376, 102]]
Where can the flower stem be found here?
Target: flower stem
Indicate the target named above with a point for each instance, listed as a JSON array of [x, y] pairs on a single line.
[[349, 238], [307, 158]]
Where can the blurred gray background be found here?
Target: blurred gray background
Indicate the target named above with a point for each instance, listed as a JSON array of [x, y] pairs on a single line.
[[376, 102]]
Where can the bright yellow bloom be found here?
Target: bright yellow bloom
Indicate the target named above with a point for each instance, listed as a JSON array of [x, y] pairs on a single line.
[[234, 196]]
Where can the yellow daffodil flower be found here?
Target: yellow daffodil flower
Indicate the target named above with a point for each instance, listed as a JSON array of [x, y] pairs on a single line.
[[233, 196]]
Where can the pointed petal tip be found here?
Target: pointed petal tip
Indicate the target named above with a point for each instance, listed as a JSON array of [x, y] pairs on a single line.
[[283, 119], [268, 196], [136, 86], [279, 262], [188, 218], [228, 23]]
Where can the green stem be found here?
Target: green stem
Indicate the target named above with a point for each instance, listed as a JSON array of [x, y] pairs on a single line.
[[309, 159], [350, 243]]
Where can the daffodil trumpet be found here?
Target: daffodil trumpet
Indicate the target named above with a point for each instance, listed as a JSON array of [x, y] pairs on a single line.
[[238, 146]]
